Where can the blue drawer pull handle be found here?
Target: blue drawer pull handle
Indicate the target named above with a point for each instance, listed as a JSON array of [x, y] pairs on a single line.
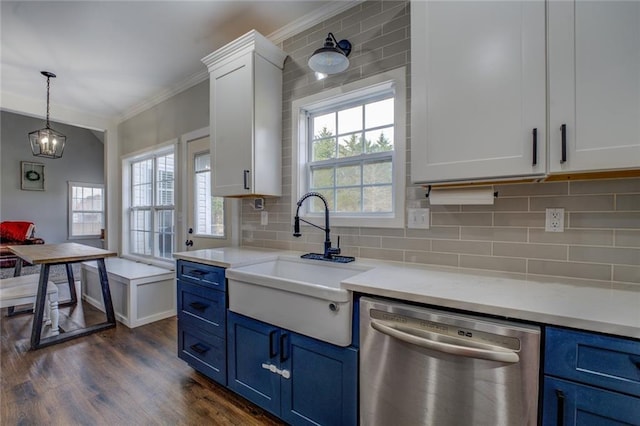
[[198, 306], [199, 348]]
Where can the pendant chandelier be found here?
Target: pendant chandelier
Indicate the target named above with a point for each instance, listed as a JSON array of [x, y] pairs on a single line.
[[47, 142]]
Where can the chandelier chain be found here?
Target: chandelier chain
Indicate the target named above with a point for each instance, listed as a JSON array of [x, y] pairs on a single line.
[[48, 78]]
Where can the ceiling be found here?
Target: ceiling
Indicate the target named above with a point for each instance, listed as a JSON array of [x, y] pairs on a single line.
[[112, 58]]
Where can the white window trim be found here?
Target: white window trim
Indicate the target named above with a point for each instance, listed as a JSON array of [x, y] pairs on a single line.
[[170, 146], [390, 79], [232, 206], [71, 184]]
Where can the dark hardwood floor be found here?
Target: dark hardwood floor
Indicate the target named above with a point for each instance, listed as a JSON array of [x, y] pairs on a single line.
[[120, 376]]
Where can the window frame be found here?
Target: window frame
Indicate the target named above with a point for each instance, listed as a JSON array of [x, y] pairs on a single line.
[[128, 208], [195, 206], [362, 91], [71, 211]]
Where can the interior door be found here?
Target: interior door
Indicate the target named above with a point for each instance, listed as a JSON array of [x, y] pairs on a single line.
[[201, 232]]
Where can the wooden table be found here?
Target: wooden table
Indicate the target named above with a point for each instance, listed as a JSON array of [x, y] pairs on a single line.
[[64, 254]]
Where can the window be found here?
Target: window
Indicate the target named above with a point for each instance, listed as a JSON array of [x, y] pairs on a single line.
[[151, 206], [208, 210], [86, 210], [348, 145]]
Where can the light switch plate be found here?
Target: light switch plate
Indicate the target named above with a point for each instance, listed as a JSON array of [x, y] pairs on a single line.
[[418, 218], [264, 217]]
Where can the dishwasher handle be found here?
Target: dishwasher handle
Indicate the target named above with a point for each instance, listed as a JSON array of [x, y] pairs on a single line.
[[466, 351]]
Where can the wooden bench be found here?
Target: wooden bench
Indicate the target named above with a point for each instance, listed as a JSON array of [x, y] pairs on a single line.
[[22, 290]]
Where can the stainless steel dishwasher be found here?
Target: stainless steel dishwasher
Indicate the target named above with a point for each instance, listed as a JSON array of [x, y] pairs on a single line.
[[422, 366]]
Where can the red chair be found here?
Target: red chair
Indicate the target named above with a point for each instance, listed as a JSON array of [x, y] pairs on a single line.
[[13, 233]]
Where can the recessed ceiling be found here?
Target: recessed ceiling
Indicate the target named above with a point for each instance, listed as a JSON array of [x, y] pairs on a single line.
[[112, 56]]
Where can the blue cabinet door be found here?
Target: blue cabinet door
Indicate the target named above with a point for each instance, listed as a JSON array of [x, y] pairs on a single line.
[[322, 387], [253, 347], [570, 403]]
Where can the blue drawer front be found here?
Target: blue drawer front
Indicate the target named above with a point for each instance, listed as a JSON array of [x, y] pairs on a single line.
[[197, 273], [607, 362], [204, 352], [203, 304], [571, 403]]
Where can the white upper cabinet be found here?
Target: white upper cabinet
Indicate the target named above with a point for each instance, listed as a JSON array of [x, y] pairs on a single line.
[[246, 117], [594, 85], [478, 107]]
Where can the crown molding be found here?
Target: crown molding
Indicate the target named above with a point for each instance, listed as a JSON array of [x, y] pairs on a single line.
[[330, 10], [164, 94], [321, 14]]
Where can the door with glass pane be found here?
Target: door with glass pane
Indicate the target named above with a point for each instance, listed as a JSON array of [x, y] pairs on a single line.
[[207, 217]]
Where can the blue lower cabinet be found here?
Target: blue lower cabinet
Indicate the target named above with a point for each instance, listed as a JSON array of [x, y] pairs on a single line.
[[203, 351], [252, 349], [590, 379], [569, 403], [302, 380], [202, 309], [323, 387]]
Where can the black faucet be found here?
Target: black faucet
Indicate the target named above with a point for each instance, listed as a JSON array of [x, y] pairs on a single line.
[[328, 250]]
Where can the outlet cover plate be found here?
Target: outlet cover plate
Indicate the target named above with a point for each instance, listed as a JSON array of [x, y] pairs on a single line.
[[554, 220]]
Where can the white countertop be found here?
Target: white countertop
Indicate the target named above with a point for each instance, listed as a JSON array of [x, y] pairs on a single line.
[[228, 257], [582, 305]]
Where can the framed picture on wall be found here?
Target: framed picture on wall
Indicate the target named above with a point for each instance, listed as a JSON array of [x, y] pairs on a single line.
[[32, 176]]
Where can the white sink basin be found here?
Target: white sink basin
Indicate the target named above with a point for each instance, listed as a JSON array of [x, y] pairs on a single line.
[[297, 294]]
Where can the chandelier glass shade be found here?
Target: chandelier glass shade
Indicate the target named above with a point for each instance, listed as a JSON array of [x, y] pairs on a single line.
[[47, 142]]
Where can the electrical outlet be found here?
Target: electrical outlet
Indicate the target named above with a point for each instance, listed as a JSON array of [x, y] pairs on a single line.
[[264, 217], [418, 218], [554, 220]]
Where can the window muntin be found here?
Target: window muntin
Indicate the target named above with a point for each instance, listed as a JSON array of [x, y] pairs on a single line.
[[86, 210], [208, 210], [152, 211], [353, 166]]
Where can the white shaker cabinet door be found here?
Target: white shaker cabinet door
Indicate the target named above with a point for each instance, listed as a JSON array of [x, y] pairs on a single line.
[[478, 90], [594, 85], [232, 127]]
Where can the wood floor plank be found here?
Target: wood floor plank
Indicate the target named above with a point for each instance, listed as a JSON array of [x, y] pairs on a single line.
[[115, 377]]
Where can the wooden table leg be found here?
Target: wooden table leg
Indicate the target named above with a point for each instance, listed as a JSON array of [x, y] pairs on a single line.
[[72, 287], [106, 293], [36, 329], [37, 342]]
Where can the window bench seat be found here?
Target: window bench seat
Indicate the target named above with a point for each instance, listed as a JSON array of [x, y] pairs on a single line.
[[141, 293]]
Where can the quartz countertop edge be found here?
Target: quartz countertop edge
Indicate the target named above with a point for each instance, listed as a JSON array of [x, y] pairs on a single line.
[[585, 305]]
